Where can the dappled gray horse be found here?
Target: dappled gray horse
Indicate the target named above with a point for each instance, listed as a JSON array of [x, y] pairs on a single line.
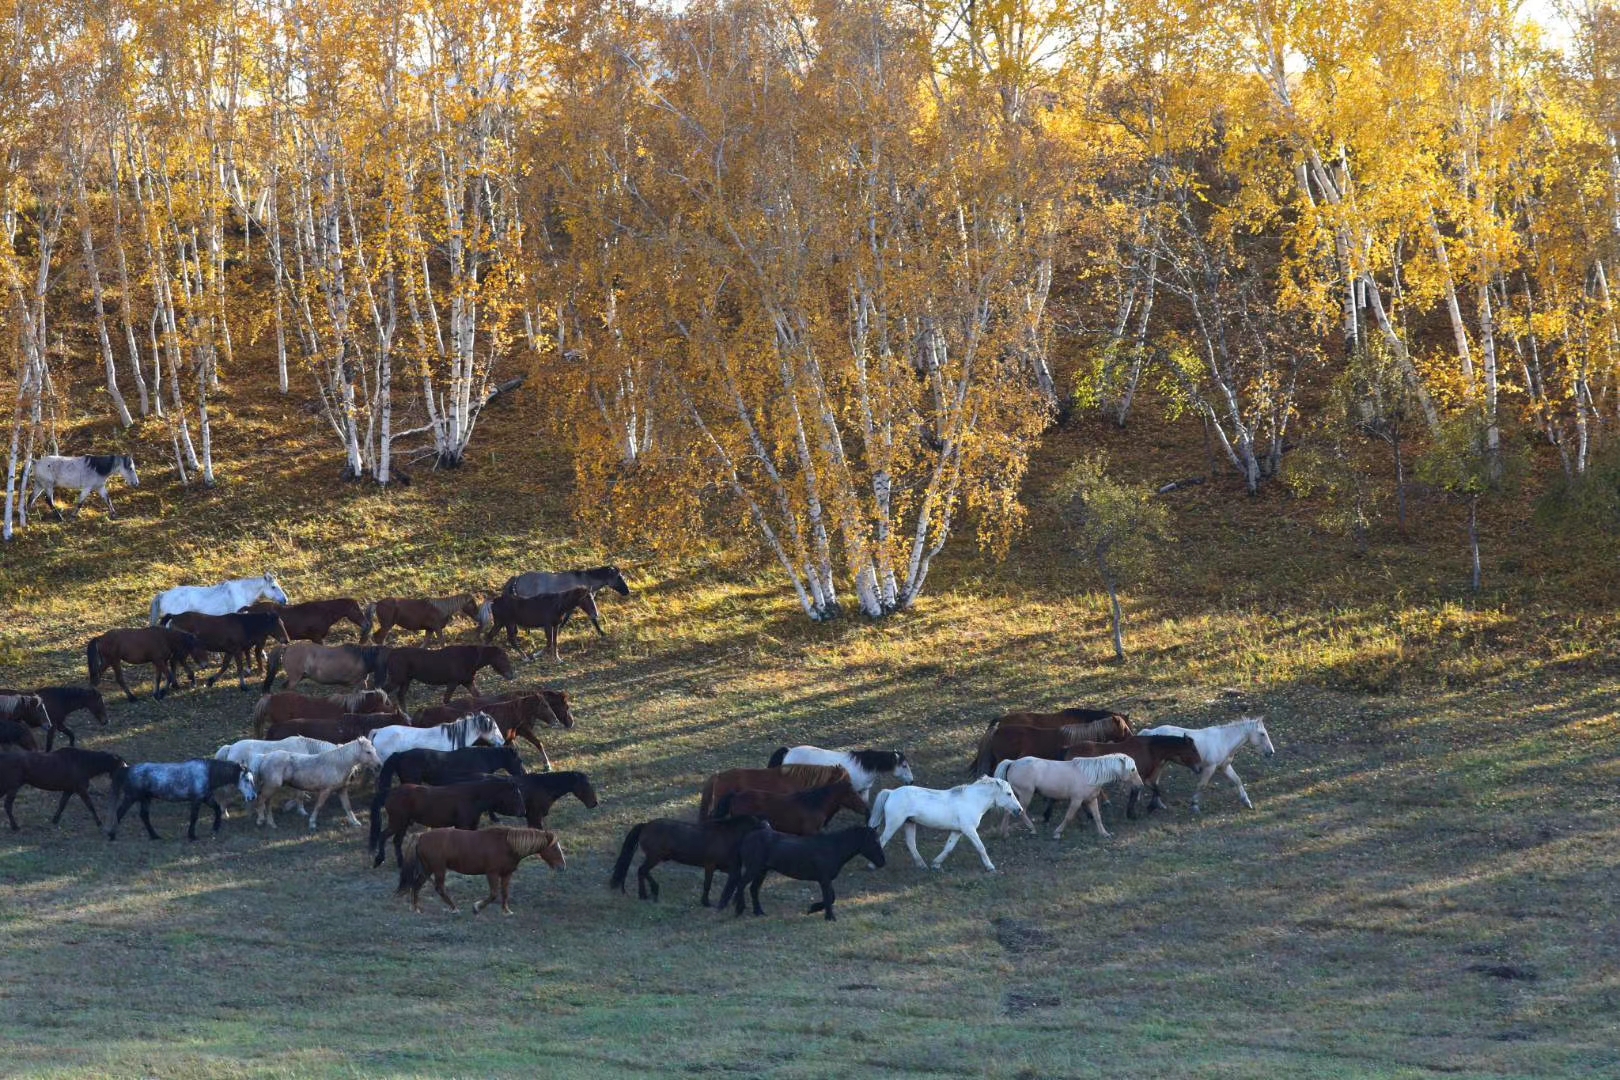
[[87, 473]]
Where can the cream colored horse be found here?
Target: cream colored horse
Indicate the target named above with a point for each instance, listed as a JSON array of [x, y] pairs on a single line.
[[321, 773], [1080, 781]]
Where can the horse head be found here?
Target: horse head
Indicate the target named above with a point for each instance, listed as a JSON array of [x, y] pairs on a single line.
[[552, 853], [483, 728], [1258, 736], [368, 755], [1185, 752], [1003, 798], [584, 792], [1129, 772], [271, 589], [902, 769], [244, 784], [870, 846], [498, 660], [126, 468], [616, 581]]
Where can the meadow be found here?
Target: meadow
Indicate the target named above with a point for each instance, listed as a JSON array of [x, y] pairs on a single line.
[[1427, 884]]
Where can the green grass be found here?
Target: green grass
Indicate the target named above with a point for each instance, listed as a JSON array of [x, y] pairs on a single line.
[[1443, 800]]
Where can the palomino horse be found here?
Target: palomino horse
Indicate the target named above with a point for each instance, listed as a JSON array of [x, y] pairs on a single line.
[[159, 646], [323, 773], [334, 665], [452, 806], [803, 813], [864, 766], [88, 473], [1105, 726], [493, 852], [783, 780], [450, 667], [234, 636], [1218, 745], [430, 616], [1080, 780], [456, 735], [221, 599], [547, 612], [288, 705], [1151, 754], [817, 858], [313, 620], [190, 781], [711, 845], [957, 810], [67, 770]]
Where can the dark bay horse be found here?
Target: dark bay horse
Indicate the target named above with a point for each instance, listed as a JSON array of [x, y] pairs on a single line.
[[163, 648], [802, 813], [234, 637], [190, 781], [290, 705], [547, 612], [454, 806], [494, 852], [711, 845], [16, 735], [816, 858], [538, 583], [62, 702], [68, 770], [450, 667], [439, 767], [782, 780], [1109, 726], [313, 620], [542, 790]]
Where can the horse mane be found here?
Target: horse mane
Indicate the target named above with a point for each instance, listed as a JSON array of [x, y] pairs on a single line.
[[103, 464], [525, 842], [815, 775], [877, 760]]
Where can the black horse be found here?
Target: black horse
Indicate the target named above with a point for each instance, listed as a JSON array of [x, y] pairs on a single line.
[[190, 781], [807, 858], [713, 845], [541, 790], [62, 702], [439, 767]]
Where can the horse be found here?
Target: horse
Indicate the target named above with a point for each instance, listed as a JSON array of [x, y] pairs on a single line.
[[449, 667], [221, 599], [234, 636], [440, 767], [539, 583], [807, 858], [335, 730], [803, 813], [455, 806], [1218, 745], [430, 616], [958, 810], [494, 852], [24, 708], [864, 766], [711, 845], [159, 646], [516, 715], [1151, 753], [313, 620], [89, 473], [542, 790], [334, 665], [288, 705], [457, 734], [67, 770], [246, 753], [190, 781], [548, 612], [1110, 727], [323, 773], [16, 735], [62, 702], [1080, 780], [782, 780]]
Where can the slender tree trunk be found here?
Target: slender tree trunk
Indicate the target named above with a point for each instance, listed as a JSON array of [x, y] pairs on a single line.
[[1473, 541]]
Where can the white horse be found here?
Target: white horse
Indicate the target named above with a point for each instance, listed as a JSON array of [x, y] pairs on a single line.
[[323, 773], [87, 473], [957, 810], [456, 735], [863, 766], [222, 599], [1080, 780], [247, 752], [1218, 745]]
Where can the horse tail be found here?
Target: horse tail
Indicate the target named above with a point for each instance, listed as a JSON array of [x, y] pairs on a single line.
[[722, 809], [368, 617], [875, 821], [776, 758], [626, 854], [1000, 772], [261, 716], [376, 822], [271, 666], [706, 799], [157, 609], [385, 777], [981, 763], [92, 658], [119, 774], [165, 618], [412, 870]]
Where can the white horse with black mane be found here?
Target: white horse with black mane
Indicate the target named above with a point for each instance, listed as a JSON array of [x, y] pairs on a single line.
[[456, 735], [1218, 745], [864, 766], [225, 598], [89, 473]]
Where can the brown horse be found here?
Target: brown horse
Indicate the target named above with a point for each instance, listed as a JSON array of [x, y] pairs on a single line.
[[67, 770], [494, 852], [1151, 754], [333, 729], [450, 667], [547, 612], [803, 813], [1106, 727], [555, 710], [313, 619], [159, 646], [235, 636], [16, 735], [288, 705], [430, 616], [453, 806], [712, 845], [516, 715], [784, 779], [1011, 741], [62, 702], [335, 665]]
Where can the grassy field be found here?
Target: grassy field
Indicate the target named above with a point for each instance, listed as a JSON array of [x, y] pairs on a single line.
[[1428, 883]]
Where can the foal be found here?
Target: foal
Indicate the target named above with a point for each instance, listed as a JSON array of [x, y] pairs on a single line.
[[807, 858]]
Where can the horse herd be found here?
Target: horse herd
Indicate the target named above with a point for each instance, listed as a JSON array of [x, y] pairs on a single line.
[[449, 766]]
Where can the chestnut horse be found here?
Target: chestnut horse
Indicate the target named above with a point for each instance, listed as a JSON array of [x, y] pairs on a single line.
[[334, 665], [554, 709], [453, 806], [450, 667], [430, 616], [288, 705], [235, 636], [546, 612], [783, 780], [1151, 754], [1104, 726], [159, 646], [803, 813], [313, 620], [494, 852], [711, 845]]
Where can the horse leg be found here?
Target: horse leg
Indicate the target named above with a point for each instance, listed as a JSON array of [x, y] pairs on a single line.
[[1068, 816], [72, 739], [1094, 806], [84, 797], [191, 826], [506, 895], [1204, 777], [61, 805], [644, 881], [118, 677], [11, 797], [494, 880], [157, 680], [146, 818], [911, 844], [978, 845], [219, 811], [753, 889], [215, 677], [1231, 774], [950, 845], [826, 902], [83, 495], [123, 808], [106, 498], [438, 887], [320, 800], [343, 797]]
